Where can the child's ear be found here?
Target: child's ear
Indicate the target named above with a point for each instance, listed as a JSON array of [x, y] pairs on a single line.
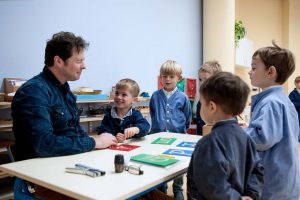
[[272, 72], [212, 106]]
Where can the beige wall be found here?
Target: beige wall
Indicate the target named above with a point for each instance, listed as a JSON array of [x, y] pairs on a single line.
[[218, 32], [266, 20], [294, 37]]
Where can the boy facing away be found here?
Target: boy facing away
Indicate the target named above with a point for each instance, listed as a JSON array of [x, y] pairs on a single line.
[[123, 121], [274, 122], [208, 69], [295, 98], [225, 164], [170, 110]]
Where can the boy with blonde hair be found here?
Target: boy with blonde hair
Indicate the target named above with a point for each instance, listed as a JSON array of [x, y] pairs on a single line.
[[295, 98], [123, 121], [208, 69], [225, 164], [274, 122], [170, 110]]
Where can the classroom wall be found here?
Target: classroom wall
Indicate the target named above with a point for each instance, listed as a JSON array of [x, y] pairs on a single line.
[[271, 20], [218, 32], [127, 38], [293, 33]]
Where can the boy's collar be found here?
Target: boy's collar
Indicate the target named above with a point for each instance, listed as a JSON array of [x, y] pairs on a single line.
[[168, 94], [272, 86], [114, 113]]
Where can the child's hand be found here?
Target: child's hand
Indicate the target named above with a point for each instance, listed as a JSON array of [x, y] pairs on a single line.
[[246, 198], [130, 132], [120, 137], [243, 124]]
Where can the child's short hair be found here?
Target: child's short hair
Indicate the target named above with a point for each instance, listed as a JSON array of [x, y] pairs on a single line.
[[226, 90], [211, 67], [282, 59], [297, 79], [171, 67], [129, 84]]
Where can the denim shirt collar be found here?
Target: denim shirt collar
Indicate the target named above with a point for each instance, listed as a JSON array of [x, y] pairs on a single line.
[[50, 76], [227, 121]]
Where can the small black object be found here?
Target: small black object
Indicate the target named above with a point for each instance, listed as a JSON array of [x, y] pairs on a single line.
[[119, 163]]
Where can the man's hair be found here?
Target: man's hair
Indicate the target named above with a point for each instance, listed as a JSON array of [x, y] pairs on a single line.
[[211, 67], [297, 79], [170, 67], [129, 84], [62, 44], [282, 59], [226, 90]]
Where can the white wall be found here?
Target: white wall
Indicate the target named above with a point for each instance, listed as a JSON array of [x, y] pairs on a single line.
[[129, 38]]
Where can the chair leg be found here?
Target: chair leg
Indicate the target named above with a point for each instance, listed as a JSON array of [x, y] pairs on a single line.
[[11, 157]]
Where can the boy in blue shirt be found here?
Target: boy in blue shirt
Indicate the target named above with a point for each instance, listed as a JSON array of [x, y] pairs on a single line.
[[274, 122], [208, 69], [170, 110], [295, 98], [225, 164], [123, 121]]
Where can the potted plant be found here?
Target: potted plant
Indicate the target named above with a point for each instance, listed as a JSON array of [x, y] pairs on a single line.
[[240, 32]]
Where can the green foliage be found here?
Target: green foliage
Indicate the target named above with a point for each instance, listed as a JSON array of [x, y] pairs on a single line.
[[239, 31]]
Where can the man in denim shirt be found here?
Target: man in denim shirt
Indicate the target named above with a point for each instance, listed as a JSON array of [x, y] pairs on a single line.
[[44, 110]]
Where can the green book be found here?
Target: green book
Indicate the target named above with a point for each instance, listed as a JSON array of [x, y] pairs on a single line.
[[154, 160], [166, 141]]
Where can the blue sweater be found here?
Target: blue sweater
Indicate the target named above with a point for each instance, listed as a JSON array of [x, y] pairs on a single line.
[[115, 125], [170, 115]]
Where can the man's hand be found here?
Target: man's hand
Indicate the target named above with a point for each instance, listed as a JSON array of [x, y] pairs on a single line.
[[104, 140]]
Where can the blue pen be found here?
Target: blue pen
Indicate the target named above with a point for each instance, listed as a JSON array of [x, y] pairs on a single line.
[[85, 167]]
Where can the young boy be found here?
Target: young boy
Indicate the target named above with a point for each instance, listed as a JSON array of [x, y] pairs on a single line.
[[225, 163], [208, 69], [170, 110], [274, 122], [123, 121], [295, 98]]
